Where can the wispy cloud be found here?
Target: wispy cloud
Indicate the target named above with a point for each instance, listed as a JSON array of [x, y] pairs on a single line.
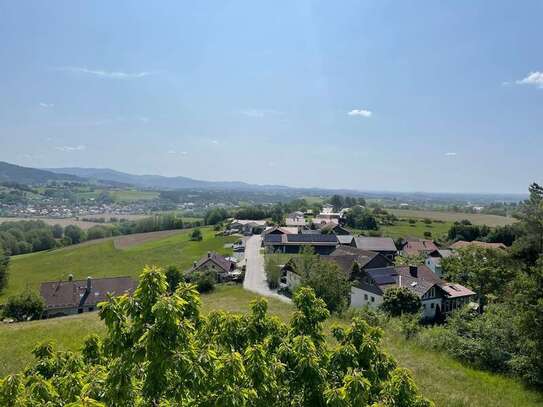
[[259, 113], [105, 74], [360, 112], [71, 148], [450, 154], [533, 78], [215, 141], [46, 105], [175, 152]]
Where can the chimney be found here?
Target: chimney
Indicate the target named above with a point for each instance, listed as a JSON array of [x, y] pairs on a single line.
[[194, 264], [209, 254], [70, 277], [414, 271], [89, 284]]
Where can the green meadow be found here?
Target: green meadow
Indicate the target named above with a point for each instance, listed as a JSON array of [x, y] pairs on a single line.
[[102, 259], [440, 378]]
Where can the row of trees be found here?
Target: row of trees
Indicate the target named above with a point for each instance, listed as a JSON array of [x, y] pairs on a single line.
[[35, 235], [160, 350]]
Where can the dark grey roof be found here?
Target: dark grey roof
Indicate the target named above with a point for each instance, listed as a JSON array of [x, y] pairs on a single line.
[[312, 238], [377, 244], [220, 261], [345, 239], [70, 294]]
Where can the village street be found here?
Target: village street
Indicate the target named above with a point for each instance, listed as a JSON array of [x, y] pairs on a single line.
[[255, 276]]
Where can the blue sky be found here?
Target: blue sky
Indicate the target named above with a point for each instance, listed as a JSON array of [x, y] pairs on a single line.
[[371, 95]]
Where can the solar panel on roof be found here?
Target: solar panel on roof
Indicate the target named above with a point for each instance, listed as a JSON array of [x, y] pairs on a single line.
[[273, 238], [301, 238]]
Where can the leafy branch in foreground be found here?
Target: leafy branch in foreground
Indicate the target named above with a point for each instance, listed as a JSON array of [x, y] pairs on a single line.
[[160, 351]]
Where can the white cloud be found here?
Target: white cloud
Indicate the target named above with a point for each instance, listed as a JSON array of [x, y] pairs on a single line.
[[533, 78], [184, 153], [360, 112], [450, 154], [259, 113], [175, 152], [46, 105], [71, 148], [105, 74], [172, 152], [215, 141]]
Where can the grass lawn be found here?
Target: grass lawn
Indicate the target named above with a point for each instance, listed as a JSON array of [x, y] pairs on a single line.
[[404, 229], [439, 377], [475, 218], [101, 259]]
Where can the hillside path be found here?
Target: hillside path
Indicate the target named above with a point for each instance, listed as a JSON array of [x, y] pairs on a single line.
[[255, 276]]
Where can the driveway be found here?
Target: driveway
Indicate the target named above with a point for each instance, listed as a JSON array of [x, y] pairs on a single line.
[[255, 276]]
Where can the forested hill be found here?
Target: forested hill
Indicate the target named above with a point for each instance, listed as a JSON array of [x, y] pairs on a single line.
[[25, 175]]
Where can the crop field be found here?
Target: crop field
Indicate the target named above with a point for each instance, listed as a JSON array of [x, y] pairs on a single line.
[[101, 259], [133, 195], [440, 378], [475, 218], [406, 230]]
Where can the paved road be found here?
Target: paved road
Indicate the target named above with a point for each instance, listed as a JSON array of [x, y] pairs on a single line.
[[255, 276]]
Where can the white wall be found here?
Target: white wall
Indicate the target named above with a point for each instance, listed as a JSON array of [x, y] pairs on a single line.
[[293, 280], [427, 310], [360, 297]]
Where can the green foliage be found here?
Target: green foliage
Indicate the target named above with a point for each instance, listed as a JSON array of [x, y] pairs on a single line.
[[215, 216], [400, 300], [75, 234], [530, 245], [25, 306], [487, 271], [173, 276], [409, 260], [205, 281], [4, 266], [465, 230], [360, 218], [159, 350], [26, 236], [196, 235], [273, 270]]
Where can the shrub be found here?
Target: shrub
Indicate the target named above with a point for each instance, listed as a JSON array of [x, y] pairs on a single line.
[[273, 271], [25, 306], [196, 235], [400, 300], [205, 281]]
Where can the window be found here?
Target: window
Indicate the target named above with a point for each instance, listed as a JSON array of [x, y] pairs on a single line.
[[366, 297], [432, 305], [372, 299]]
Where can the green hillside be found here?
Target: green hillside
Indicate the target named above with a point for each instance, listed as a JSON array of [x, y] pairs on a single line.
[[445, 381], [101, 259]]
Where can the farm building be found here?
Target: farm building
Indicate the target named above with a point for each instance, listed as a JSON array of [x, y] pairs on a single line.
[[77, 296]]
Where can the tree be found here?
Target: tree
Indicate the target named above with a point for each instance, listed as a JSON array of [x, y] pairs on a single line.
[[360, 218], [273, 271], [530, 246], [196, 235], [215, 216], [173, 276], [160, 351], [25, 306], [75, 233], [487, 271], [409, 260], [4, 266], [464, 230], [277, 215], [400, 300], [337, 202], [58, 231], [329, 283]]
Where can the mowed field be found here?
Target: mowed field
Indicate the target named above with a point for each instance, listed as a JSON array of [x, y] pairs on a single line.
[[475, 218], [103, 259], [445, 381], [404, 229]]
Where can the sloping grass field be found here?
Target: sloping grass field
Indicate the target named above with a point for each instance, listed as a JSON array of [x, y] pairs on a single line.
[[440, 378], [102, 259]]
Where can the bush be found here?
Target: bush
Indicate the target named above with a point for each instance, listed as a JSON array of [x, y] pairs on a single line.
[[25, 306], [428, 234], [273, 271], [400, 300], [196, 235], [205, 281], [173, 276]]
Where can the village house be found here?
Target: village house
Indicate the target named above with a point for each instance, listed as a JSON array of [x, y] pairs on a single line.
[[295, 219], [294, 243], [416, 247], [437, 296], [77, 296], [247, 227], [216, 263], [382, 245], [433, 261], [281, 230]]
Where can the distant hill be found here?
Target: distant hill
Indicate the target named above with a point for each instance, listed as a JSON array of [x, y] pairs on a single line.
[[158, 181], [25, 175]]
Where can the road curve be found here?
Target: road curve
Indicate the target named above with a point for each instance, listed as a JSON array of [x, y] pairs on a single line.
[[255, 276]]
